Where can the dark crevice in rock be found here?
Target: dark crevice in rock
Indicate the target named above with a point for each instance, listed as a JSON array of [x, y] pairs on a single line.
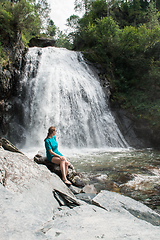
[[7, 145], [65, 200]]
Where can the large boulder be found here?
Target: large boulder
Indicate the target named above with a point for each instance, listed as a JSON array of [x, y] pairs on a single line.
[[111, 216], [36, 204], [21, 174], [41, 42], [28, 194]]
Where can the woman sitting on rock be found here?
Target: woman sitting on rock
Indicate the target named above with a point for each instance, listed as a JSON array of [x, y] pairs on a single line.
[[54, 156]]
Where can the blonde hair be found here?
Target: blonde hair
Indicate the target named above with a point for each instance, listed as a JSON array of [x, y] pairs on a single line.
[[50, 131]]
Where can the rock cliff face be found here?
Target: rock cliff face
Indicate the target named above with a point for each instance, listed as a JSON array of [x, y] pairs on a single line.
[[137, 133], [41, 42], [9, 78]]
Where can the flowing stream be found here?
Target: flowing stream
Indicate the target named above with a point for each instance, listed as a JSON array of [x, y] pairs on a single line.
[[134, 173], [58, 88]]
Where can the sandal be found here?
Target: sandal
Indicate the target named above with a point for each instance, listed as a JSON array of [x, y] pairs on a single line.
[[67, 182]]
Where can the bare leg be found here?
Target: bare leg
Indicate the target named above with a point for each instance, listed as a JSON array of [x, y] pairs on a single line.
[[58, 161], [66, 167], [63, 170], [63, 166]]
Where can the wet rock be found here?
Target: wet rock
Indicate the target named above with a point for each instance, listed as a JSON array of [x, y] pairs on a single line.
[[5, 83], [111, 186], [90, 189], [77, 181], [124, 177], [99, 177], [10, 75], [157, 188], [144, 182]]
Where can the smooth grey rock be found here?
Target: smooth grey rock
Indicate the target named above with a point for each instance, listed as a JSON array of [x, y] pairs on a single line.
[[30, 211], [27, 200], [90, 222], [127, 206], [75, 189], [90, 188], [87, 197]]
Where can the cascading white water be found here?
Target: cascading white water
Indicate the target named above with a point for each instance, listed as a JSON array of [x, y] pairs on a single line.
[[61, 90]]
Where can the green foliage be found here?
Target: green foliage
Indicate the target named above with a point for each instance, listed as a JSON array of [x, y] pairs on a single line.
[[135, 40], [135, 11], [98, 10], [3, 56], [25, 16], [51, 29], [72, 22], [107, 31], [81, 5], [6, 19], [152, 16], [124, 37], [62, 40], [129, 13]]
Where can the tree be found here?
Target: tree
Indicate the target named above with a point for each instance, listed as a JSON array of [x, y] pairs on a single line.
[[6, 18], [43, 9], [135, 11], [26, 16], [73, 22], [62, 40], [51, 29], [152, 15], [82, 5]]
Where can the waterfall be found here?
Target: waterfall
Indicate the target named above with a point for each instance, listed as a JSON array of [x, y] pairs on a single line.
[[59, 89]]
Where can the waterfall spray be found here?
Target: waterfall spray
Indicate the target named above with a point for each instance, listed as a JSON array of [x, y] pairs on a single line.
[[59, 89]]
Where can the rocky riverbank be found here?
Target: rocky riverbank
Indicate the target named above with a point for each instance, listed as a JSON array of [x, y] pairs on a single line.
[[36, 204]]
